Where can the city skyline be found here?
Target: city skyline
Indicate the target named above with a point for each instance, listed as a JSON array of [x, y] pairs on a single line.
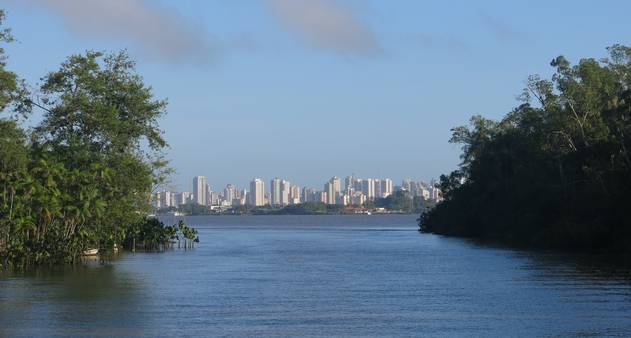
[[281, 192]]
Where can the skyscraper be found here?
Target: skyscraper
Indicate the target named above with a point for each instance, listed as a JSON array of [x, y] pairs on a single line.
[[230, 193], [309, 195], [330, 193], [349, 185], [332, 189], [368, 188], [257, 192], [386, 187], [294, 196], [377, 185], [337, 185], [165, 199], [275, 187], [284, 192], [199, 190]]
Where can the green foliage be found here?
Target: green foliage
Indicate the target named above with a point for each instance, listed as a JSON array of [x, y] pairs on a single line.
[[195, 209], [309, 208], [402, 201], [151, 234], [82, 177], [556, 171]]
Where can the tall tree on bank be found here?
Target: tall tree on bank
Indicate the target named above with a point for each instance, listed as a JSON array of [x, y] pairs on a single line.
[[100, 116], [556, 171], [82, 177]]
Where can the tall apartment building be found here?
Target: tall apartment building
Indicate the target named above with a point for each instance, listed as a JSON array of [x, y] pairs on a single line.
[[368, 188], [275, 191], [285, 187], [309, 195], [165, 199], [383, 188], [215, 198], [294, 195], [156, 200], [337, 185], [333, 189], [386, 187], [184, 198], [230, 193], [199, 190], [322, 196], [257, 192]]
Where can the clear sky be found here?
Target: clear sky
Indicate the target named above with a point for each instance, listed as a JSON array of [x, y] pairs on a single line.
[[308, 89]]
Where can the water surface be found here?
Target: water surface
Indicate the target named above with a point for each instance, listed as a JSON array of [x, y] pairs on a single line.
[[322, 276]]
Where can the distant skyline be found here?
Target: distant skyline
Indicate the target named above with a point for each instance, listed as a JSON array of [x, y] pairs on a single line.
[[306, 89]]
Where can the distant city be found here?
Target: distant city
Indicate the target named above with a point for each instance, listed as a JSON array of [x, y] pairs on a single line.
[[280, 193]]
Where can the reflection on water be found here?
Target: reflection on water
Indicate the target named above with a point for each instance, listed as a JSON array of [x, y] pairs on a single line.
[[323, 276], [84, 300]]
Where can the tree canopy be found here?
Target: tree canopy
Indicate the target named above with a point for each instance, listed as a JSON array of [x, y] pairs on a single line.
[[555, 171], [82, 176]]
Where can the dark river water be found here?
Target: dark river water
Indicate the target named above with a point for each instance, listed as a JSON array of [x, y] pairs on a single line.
[[323, 276]]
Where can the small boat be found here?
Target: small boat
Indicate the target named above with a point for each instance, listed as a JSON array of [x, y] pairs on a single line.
[[368, 213], [91, 252]]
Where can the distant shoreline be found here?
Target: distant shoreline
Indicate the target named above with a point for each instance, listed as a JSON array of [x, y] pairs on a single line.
[[287, 214]]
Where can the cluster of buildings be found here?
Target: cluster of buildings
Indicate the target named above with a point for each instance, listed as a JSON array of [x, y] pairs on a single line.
[[280, 192]]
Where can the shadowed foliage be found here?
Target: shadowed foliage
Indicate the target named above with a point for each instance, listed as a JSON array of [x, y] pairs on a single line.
[[555, 171], [81, 177]]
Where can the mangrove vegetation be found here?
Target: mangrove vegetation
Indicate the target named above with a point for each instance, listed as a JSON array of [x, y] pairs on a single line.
[[79, 176], [556, 171]]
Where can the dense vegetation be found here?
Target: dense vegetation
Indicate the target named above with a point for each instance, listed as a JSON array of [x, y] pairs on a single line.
[[401, 201], [555, 171], [81, 177], [151, 234]]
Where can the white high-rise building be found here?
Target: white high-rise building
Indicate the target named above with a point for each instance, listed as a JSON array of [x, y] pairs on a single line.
[[294, 196], [386, 187], [285, 192], [165, 199], [215, 198], [377, 185], [332, 188], [337, 185], [183, 198], [348, 183], [257, 192], [156, 200], [199, 190], [275, 191], [368, 188], [330, 193], [230, 193]]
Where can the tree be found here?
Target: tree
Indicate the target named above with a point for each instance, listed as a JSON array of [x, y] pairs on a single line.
[[555, 172]]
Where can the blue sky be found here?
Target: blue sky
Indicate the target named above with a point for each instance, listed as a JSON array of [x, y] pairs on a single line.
[[308, 89]]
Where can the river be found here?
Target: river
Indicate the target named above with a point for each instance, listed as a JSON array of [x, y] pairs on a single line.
[[323, 276]]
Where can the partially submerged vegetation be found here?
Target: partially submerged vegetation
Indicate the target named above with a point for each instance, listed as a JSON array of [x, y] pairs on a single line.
[[81, 177], [556, 171], [154, 235]]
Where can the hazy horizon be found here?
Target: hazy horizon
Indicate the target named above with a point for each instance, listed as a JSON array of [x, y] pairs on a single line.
[[306, 90]]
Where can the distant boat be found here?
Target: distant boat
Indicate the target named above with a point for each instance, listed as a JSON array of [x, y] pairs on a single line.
[[368, 213], [91, 252]]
